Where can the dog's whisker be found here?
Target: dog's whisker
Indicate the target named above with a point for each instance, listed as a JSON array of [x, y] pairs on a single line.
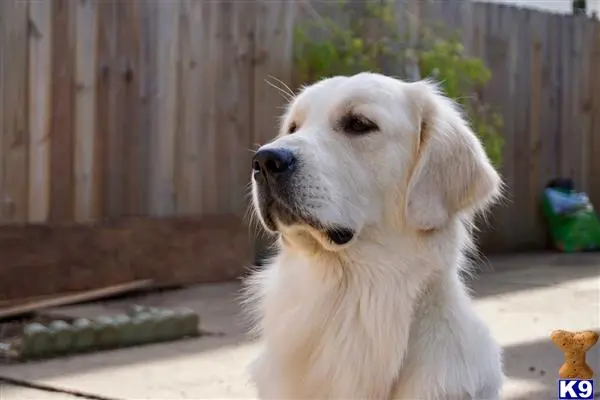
[[284, 87], [285, 94]]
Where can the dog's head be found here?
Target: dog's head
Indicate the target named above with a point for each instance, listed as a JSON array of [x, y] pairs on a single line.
[[369, 151]]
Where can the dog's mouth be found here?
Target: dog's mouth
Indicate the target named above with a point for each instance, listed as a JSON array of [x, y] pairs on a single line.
[[278, 214], [340, 236]]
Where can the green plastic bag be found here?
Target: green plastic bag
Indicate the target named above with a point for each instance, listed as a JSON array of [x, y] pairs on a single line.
[[573, 223]]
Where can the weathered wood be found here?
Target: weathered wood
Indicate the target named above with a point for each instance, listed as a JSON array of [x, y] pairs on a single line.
[[128, 75], [63, 107], [536, 223], [40, 79], [594, 149], [162, 165], [107, 173], [14, 158], [191, 119], [546, 102], [63, 300], [87, 201], [112, 108], [74, 257]]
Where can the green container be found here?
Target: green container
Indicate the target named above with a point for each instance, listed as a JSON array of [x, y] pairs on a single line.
[[572, 221]]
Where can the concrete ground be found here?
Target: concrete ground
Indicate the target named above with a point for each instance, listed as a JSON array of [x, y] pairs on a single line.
[[523, 298]]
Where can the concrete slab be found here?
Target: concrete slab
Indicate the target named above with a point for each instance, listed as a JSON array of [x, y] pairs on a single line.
[[522, 304]]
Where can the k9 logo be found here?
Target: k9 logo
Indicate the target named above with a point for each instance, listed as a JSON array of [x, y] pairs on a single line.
[[575, 389]]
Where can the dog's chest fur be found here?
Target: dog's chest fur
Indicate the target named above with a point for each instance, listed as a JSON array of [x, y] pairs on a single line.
[[334, 332], [322, 323]]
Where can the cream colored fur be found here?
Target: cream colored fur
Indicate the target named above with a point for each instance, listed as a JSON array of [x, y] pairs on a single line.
[[385, 315]]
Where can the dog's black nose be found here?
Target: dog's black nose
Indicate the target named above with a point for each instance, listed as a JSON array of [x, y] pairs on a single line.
[[273, 162]]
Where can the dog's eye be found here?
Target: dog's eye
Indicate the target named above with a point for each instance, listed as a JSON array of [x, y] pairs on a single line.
[[292, 128], [357, 124]]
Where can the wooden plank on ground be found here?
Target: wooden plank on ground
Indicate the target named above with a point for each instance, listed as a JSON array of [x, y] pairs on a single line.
[[87, 203], [57, 301], [39, 109], [14, 42], [63, 104]]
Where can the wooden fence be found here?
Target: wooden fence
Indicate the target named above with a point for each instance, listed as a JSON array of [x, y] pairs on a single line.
[[546, 85], [114, 111], [117, 108], [113, 108]]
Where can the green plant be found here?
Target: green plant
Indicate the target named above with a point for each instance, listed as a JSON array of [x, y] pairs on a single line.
[[368, 40]]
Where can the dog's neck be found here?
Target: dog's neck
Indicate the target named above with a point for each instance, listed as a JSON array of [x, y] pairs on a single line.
[[380, 252]]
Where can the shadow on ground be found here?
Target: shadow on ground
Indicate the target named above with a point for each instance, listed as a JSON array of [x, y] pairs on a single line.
[[498, 275]]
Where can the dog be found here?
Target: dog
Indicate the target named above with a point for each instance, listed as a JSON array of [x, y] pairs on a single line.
[[372, 186]]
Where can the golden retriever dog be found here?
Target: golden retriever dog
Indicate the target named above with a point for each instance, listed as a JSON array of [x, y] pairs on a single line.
[[371, 185]]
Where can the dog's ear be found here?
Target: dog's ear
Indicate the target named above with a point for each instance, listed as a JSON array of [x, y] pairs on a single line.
[[452, 172]]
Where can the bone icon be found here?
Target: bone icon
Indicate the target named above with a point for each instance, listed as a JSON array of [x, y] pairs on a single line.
[[574, 345]]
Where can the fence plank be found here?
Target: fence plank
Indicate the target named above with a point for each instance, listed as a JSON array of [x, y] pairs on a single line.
[[274, 27], [566, 160], [192, 48], [40, 60], [502, 84], [574, 102], [164, 121], [538, 34], [105, 125], [61, 128], [520, 210], [13, 186], [594, 159], [584, 102], [148, 95], [210, 187], [128, 74], [235, 112], [108, 109], [87, 202]]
